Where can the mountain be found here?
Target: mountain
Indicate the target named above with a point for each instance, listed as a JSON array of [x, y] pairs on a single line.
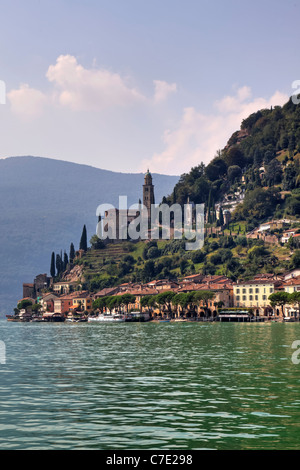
[[260, 163], [44, 204]]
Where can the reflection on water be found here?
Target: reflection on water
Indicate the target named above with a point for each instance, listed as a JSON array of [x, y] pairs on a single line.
[[149, 386]]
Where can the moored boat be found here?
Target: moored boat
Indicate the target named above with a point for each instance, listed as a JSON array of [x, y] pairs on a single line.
[[108, 318]]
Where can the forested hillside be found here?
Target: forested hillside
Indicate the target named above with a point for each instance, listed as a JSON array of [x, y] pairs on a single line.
[[261, 159]]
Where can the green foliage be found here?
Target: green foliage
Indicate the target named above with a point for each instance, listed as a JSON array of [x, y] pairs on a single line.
[[25, 303], [295, 260], [259, 204], [72, 253], [52, 265], [83, 240], [97, 243]]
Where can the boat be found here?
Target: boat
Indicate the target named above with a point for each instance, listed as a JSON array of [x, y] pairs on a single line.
[[108, 318]]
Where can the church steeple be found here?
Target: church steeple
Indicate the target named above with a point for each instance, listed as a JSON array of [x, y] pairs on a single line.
[[148, 194]]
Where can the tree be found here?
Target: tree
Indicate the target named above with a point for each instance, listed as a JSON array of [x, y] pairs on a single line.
[[292, 145], [52, 266], [83, 240], [165, 299], [234, 172], [295, 299], [36, 308], [221, 217], [295, 260], [181, 300], [59, 265], [145, 301], [183, 265], [153, 252], [127, 299], [216, 169], [203, 296], [235, 156], [97, 243], [279, 298], [259, 203], [273, 174], [24, 304], [148, 271], [72, 253], [66, 261]]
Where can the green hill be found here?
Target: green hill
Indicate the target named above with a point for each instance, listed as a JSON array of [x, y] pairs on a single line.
[[260, 164], [261, 160]]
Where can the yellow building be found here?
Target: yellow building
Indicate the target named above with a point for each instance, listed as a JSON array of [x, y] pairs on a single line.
[[254, 294], [84, 302]]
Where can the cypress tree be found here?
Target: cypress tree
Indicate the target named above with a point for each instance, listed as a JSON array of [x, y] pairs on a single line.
[[52, 267], [209, 207], [59, 265], [83, 240], [72, 253], [66, 261], [221, 217]]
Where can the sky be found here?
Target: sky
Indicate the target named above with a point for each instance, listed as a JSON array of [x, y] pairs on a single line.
[[131, 85]]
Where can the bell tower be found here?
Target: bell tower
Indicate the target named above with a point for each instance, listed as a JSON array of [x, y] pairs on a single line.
[[148, 194]]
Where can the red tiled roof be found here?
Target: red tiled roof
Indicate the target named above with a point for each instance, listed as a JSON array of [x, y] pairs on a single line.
[[293, 281]]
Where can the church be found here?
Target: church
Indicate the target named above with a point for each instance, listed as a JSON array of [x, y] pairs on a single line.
[[115, 223]]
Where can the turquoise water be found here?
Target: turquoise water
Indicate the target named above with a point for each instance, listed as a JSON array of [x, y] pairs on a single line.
[[149, 386]]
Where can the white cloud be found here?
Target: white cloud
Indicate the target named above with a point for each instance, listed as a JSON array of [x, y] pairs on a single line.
[[27, 102], [162, 90], [198, 136], [89, 89], [82, 89]]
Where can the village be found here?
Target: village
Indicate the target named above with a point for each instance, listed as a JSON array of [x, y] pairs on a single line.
[[195, 298]]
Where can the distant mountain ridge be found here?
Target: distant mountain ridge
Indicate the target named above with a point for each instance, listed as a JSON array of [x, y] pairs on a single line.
[[44, 204]]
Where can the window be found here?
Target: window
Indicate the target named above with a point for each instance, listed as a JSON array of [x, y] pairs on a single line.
[[250, 290], [244, 291], [244, 297], [237, 298], [264, 297], [271, 289], [238, 291], [257, 290], [256, 297], [250, 297]]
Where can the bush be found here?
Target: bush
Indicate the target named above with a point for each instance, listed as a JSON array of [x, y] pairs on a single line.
[[153, 252], [197, 256]]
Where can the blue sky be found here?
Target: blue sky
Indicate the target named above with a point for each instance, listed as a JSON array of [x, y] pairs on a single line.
[[127, 85]]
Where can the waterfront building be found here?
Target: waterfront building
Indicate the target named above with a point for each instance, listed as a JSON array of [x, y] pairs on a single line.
[[47, 302], [255, 294], [76, 300], [292, 285], [64, 287]]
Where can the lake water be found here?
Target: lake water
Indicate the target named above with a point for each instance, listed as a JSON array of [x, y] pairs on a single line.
[[149, 386]]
